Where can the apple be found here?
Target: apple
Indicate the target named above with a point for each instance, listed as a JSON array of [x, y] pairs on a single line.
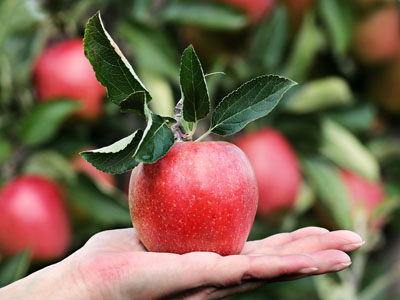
[[276, 167], [62, 71], [364, 193], [33, 216], [201, 196], [105, 180], [377, 36], [296, 10], [256, 10]]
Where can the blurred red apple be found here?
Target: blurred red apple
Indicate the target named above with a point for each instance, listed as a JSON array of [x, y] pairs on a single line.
[[377, 36], [276, 167], [255, 9], [62, 71], [106, 180], [199, 197], [364, 193], [296, 10], [33, 216]]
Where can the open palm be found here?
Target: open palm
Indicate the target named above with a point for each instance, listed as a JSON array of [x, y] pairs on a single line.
[[115, 265]]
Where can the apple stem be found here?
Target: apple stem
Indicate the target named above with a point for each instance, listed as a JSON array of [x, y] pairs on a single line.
[[178, 129], [192, 131], [204, 135]]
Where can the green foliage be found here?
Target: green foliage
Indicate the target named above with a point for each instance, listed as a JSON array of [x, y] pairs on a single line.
[[14, 268], [254, 99], [196, 101], [204, 14], [44, 120]]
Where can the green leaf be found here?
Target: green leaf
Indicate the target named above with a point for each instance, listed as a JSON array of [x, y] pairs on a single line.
[[196, 101], [326, 182], [254, 99], [5, 148], [270, 40], [342, 147], [49, 163], [14, 268], [310, 40], [116, 158], [94, 203], [156, 141], [112, 69], [339, 17], [45, 119], [359, 118], [204, 14], [320, 94]]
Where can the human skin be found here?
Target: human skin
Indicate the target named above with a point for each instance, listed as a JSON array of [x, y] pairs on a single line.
[[114, 265]]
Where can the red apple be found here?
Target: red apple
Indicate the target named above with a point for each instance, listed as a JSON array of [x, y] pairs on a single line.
[[255, 9], [62, 71], [106, 180], [364, 193], [199, 197], [33, 215], [377, 36], [276, 167]]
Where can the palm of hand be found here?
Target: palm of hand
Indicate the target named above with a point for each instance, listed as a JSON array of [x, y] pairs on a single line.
[[115, 265]]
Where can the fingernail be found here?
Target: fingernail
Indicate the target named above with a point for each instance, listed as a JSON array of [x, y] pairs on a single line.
[[340, 266], [352, 247], [308, 270]]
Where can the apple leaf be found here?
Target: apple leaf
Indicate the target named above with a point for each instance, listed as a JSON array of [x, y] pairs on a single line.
[[157, 139], [330, 189], [85, 196], [204, 14], [196, 101], [112, 69], [44, 120], [254, 99], [116, 158], [14, 268]]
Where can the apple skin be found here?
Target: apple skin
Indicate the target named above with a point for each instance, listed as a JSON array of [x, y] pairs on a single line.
[[256, 10], [276, 167], [199, 197], [377, 36], [33, 215], [62, 71], [367, 194], [106, 180]]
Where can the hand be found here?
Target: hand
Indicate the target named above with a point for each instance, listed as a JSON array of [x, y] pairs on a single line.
[[115, 265]]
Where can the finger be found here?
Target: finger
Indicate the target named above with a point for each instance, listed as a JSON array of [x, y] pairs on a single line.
[[341, 240], [283, 238], [331, 261]]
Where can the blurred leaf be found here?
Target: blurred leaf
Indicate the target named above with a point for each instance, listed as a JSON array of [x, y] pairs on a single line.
[[304, 199], [49, 163], [196, 101], [330, 289], [14, 268], [116, 158], [163, 99], [320, 94], [156, 141], [5, 149], [44, 120], [326, 182], [89, 200], [308, 43], [112, 69], [342, 147], [357, 119], [153, 51], [267, 48], [204, 14], [339, 18], [252, 100], [385, 148]]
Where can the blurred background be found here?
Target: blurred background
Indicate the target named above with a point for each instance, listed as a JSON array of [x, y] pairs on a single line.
[[328, 155]]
